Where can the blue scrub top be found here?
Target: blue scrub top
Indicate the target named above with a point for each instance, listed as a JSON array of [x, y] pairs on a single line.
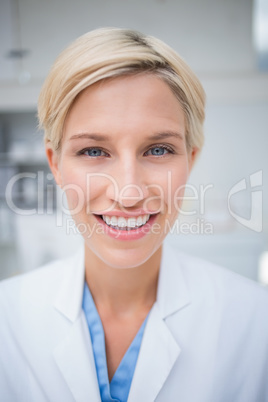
[[118, 389]]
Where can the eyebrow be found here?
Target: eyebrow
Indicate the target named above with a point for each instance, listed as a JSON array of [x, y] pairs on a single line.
[[96, 137], [167, 134], [154, 137]]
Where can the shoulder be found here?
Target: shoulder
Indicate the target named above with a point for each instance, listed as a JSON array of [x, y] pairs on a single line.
[[31, 326], [222, 305], [214, 284], [41, 279], [204, 272], [34, 292]]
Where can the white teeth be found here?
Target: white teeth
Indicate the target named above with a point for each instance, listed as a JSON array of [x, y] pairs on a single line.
[[113, 221], [108, 220], [139, 221], [121, 222], [131, 222]]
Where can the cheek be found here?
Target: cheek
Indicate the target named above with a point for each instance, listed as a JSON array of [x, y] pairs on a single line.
[[166, 190], [85, 190], [175, 186], [74, 187]]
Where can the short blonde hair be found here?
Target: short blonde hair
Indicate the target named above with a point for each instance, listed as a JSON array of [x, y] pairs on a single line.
[[113, 52]]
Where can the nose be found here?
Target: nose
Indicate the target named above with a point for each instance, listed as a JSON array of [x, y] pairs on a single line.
[[128, 187]]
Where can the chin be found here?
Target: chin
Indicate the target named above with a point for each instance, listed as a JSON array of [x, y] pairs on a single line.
[[124, 258]]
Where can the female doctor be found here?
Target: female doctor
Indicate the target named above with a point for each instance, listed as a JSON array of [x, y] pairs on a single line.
[[126, 318]]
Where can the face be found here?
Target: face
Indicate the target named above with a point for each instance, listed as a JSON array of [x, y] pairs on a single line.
[[123, 164]]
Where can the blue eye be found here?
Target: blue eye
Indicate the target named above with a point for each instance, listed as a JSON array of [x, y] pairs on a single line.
[[93, 152], [159, 151]]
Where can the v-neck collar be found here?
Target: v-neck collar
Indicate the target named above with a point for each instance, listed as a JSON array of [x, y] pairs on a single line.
[[118, 388]]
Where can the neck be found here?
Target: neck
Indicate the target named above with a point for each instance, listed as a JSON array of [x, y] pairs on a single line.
[[122, 292]]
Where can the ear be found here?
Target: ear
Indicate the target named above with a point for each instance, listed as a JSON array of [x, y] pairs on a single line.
[[53, 158], [192, 156]]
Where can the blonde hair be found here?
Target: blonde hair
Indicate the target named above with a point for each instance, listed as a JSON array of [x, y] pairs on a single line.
[[113, 52]]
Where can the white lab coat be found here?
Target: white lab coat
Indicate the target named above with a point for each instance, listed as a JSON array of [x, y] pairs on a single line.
[[206, 338]]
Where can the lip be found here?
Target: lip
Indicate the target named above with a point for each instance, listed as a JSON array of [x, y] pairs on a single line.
[[127, 235]]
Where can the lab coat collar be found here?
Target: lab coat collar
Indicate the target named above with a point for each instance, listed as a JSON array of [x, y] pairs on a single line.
[[172, 293], [159, 349], [74, 354], [69, 299]]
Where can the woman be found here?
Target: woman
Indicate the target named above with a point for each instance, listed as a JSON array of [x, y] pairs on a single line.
[[128, 318]]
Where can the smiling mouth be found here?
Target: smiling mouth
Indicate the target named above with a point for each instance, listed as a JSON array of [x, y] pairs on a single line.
[[127, 224]]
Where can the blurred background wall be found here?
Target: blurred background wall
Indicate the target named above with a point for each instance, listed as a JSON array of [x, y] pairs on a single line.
[[226, 44]]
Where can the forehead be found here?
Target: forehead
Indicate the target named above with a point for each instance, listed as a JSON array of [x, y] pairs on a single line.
[[125, 103]]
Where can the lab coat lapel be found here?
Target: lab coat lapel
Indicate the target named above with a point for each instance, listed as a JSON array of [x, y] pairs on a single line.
[[159, 350], [74, 354], [158, 353], [75, 360]]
